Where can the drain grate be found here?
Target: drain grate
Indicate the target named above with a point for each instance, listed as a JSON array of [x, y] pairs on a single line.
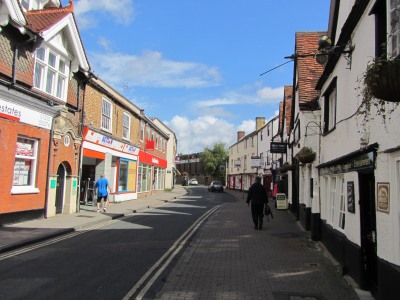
[[85, 216]]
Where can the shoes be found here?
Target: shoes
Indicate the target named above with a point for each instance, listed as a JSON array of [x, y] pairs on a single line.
[[260, 227], [255, 227], [104, 209], [98, 210]]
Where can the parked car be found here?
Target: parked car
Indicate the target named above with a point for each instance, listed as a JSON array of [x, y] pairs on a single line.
[[216, 186], [193, 181]]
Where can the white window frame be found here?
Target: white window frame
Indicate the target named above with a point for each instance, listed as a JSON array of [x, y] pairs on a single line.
[[332, 109], [51, 75], [106, 115], [336, 201], [30, 4], [126, 126], [142, 129], [157, 141], [394, 29], [32, 156]]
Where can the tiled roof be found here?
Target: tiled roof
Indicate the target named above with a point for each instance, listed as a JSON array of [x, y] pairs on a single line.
[[309, 71], [43, 19]]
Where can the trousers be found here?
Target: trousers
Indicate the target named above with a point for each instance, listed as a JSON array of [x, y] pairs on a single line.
[[257, 213]]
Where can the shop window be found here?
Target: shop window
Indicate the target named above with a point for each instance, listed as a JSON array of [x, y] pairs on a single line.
[[106, 111], [51, 72], [127, 176], [126, 126], [24, 179]]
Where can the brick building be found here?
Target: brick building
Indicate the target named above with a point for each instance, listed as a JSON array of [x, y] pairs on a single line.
[[43, 67], [122, 143]]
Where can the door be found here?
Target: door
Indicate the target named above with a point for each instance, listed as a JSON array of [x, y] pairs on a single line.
[[60, 189], [368, 230]]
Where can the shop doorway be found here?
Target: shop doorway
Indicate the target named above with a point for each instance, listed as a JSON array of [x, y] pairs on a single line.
[[60, 189], [368, 230]]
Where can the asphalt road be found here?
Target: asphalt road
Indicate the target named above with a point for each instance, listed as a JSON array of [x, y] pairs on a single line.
[[119, 259]]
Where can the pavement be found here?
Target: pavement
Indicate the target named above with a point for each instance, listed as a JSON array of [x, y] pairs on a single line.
[[282, 260]]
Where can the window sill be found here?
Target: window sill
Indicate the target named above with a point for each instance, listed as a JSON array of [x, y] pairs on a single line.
[[24, 190]]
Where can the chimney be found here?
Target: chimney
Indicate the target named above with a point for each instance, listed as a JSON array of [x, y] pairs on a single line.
[[240, 135], [142, 112], [260, 122]]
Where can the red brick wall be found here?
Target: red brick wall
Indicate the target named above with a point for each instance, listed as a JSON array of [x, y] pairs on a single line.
[[9, 130]]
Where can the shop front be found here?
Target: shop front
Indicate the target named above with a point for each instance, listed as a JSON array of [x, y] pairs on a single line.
[[116, 160], [151, 173], [25, 145]]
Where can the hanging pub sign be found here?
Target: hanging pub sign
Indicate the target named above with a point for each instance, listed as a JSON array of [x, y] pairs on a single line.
[[277, 147]]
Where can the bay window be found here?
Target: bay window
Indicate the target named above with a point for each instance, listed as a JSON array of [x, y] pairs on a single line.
[[51, 73]]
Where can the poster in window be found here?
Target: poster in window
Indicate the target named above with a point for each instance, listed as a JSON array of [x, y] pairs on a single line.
[[350, 197], [383, 197]]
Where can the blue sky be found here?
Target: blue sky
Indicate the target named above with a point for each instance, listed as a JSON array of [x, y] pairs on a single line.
[[196, 65]]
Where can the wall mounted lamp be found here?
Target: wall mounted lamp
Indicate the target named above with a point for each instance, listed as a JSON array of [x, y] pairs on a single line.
[[325, 50]]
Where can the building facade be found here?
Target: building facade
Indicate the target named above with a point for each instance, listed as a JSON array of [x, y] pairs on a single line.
[[43, 69]]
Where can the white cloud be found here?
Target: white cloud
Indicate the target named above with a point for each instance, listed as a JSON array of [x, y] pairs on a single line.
[[248, 126], [151, 69], [271, 95], [247, 95], [122, 11], [195, 135]]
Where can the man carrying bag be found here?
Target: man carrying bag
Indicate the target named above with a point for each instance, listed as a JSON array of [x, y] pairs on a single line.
[[258, 197]]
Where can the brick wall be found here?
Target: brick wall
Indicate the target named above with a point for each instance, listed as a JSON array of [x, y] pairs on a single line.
[[9, 130]]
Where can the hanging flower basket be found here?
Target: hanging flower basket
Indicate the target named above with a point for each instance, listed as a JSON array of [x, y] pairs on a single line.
[[382, 78], [306, 155], [286, 167]]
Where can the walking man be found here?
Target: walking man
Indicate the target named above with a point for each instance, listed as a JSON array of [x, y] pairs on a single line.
[[258, 197], [102, 185]]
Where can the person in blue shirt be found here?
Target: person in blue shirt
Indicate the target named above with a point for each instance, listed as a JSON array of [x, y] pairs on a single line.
[[101, 186]]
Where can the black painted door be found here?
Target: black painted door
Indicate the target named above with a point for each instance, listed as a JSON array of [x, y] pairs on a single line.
[[60, 189], [368, 229]]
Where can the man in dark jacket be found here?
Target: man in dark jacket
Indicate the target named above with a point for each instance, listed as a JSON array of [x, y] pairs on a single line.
[[258, 197]]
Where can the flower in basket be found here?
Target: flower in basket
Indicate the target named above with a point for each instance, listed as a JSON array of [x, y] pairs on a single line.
[[382, 79], [306, 155], [286, 167]]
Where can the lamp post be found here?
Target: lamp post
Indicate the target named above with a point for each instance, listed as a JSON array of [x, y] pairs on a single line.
[[244, 173]]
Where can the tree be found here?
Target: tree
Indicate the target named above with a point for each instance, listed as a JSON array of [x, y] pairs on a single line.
[[213, 159]]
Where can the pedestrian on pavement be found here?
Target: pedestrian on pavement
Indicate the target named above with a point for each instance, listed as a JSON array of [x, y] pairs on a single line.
[[102, 185], [258, 197]]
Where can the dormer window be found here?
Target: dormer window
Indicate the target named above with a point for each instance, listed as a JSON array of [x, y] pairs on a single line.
[[51, 73], [38, 4]]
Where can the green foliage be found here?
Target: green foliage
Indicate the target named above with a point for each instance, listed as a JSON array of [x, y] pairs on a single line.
[[212, 159]]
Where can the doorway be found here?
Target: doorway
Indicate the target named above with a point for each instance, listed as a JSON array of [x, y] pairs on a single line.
[[60, 189], [368, 230]]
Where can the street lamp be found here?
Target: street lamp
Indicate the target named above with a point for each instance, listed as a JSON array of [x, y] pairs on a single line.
[[244, 172]]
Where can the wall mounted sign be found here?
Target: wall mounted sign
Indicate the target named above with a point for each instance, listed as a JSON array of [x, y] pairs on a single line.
[[383, 196], [278, 147], [22, 114], [362, 162]]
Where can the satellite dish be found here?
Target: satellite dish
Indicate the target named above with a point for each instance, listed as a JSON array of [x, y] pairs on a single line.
[[324, 42]]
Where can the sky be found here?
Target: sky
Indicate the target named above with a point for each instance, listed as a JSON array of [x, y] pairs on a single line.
[[197, 65]]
